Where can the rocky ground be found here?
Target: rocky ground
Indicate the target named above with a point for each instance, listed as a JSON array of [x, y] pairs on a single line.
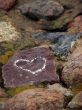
[[40, 55]]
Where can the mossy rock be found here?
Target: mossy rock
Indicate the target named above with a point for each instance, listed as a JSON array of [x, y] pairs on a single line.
[[17, 90], [67, 17], [77, 89], [11, 39], [72, 9]]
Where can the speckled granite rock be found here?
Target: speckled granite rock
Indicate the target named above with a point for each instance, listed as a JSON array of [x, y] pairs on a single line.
[[72, 72], [76, 103], [36, 99], [30, 66], [47, 9], [7, 4], [11, 38], [63, 43]]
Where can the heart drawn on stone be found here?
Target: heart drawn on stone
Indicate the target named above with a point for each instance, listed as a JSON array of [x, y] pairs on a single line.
[[31, 62]]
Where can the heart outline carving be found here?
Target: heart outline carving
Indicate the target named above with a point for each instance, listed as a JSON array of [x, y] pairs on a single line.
[[30, 61]]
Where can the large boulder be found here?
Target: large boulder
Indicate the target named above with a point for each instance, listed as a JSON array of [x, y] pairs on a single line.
[[46, 9], [36, 99], [7, 4], [30, 66]]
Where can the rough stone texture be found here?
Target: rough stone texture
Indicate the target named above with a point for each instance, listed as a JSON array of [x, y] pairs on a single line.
[[7, 31], [30, 66], [63, 43], [36, 99], [6, 4], [42, 9], [76, 89], [59, 88], [72, 9], [11, 38], [2, 93], [76, 102], [78, 49], [72, 72], [76, 25], [23, 23]]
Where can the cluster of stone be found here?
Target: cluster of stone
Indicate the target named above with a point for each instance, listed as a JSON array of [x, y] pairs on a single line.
[[40, 55]]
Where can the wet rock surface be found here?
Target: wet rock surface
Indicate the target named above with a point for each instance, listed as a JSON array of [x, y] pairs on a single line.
[[36, 99], [44, 9], [7, 4], [30, 66]]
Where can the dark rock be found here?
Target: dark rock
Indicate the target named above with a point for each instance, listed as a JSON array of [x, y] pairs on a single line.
[[30, 66], [72, 72], [63, 42], [7, 4], [38, 9], [81, 1], [72, 9], [36, 99]]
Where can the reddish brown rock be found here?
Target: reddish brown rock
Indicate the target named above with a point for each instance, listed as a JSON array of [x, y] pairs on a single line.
[[30, 66], [36, 99], [6, 4], [2, 93], [72, 72], [75, 25]]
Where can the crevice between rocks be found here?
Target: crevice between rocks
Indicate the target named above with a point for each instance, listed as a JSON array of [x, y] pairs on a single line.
[[1, 78]]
